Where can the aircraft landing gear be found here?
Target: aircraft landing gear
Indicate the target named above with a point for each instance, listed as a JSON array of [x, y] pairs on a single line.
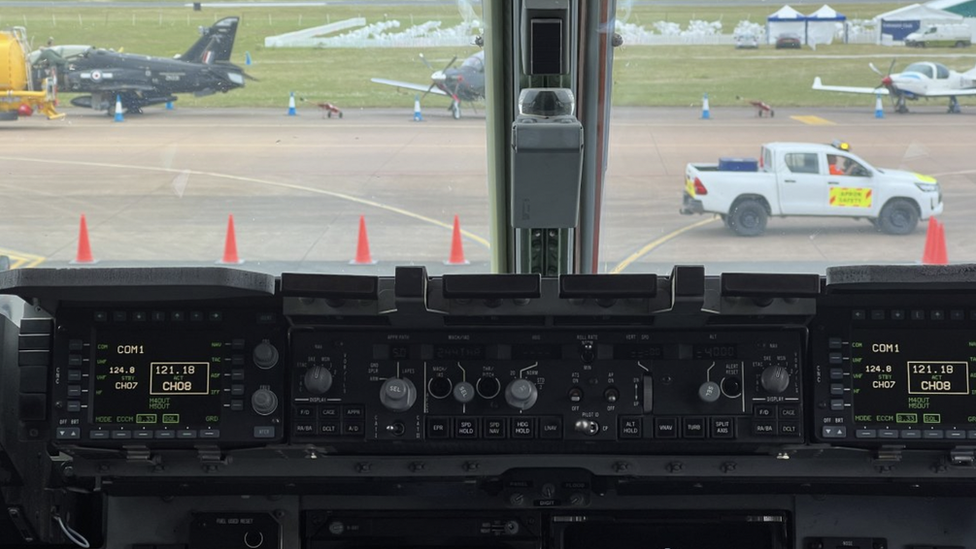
[[456, 110], [954, 105], [900, 106]]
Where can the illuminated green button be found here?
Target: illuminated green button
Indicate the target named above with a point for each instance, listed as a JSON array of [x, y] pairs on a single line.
[[146, 418], [931, 418], [171, 418], [906, 418]]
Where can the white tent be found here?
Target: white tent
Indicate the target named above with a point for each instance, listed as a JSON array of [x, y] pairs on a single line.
[[824, 24], [786, 20], [899, 23]]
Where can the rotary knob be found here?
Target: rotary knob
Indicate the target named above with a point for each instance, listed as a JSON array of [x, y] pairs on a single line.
[[318, 379], [464, 392], [521, 394], [398, 394], [264, 402], [775, 379], [265, 355], [709, 391]]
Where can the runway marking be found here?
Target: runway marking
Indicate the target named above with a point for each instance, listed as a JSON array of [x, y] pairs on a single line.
[[394, 209], [813, 120], [23, 260], [654, 244]]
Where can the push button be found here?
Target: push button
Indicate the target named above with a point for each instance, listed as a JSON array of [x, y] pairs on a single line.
[[523, 427], [630, 427], [722, 427], [67, 433], [666, 427], [495, 427], [789, 428], [694, 427], [763, 427], [834, 431], [466, 427], [329, 428], [551, 427], [264, 431], [765, 411], [354, 427], [438, 427]]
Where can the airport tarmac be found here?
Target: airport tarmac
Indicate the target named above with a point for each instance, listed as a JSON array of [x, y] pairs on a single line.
[[157, 189]]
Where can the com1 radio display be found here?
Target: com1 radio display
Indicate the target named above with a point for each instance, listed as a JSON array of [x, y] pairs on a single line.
[[913, 379]]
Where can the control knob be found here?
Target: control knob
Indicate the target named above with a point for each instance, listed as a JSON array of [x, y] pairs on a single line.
[[775, 379], [265, 355], [464, 392], [264, 402], [318, 379], [521, 394], [709, 391], [398, 394]]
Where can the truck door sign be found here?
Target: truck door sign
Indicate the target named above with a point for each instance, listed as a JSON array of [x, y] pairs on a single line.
[[850, 197]]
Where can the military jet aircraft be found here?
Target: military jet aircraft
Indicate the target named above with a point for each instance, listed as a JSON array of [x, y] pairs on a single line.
[[465, 83], [142, 80], [925, 79]]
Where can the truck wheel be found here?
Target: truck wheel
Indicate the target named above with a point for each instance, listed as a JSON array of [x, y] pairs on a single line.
[[899, 216], [748, 218]]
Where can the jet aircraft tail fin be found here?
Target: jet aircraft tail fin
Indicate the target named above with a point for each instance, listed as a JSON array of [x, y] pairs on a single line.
[[215, 43]]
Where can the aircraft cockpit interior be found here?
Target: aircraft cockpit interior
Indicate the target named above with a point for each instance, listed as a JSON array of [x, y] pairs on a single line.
[[730, 384]]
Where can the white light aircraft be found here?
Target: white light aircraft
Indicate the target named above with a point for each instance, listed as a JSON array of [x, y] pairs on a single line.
[[925, 79]]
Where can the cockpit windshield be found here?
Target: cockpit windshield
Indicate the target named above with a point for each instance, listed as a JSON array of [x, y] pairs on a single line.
[[354, 136]]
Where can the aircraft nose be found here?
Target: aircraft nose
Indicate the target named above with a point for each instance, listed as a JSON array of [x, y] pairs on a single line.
[[439, 77]]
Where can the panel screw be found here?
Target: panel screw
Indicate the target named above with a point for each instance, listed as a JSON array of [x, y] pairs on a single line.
[[675, 466], [363, 467], [621, 466], [728, 466]]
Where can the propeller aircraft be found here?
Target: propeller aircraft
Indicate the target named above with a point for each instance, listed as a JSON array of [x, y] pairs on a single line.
[[926, 79], [464, 83]]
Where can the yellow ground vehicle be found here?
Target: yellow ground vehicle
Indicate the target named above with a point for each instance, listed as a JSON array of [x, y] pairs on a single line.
[[17, 98]]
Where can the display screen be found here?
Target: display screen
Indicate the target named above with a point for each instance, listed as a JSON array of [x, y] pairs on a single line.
[[914, 379], [157, 382]]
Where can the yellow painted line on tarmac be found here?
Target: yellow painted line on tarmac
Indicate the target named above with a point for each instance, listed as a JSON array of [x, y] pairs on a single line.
[[813, 120], [342, 196], [21, 260], [649, 247]]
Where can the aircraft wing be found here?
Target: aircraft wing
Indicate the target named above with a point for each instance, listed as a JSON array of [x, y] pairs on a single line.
[[408, 85], [950, 93], [819, 86]]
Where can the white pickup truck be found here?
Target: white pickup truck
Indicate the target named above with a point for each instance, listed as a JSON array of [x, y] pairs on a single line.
[[809, 179]]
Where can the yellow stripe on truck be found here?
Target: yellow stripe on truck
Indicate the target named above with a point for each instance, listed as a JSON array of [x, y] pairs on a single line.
[[690, 187], [925, 178]]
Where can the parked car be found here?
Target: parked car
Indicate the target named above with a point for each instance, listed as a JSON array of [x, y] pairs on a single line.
[[788, 40], [746, 40]]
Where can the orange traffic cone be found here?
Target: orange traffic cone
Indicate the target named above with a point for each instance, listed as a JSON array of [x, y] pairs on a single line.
[[84, 255], [230, 245], [362, 246], [941, 255], [457, 249], [928, 254]]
